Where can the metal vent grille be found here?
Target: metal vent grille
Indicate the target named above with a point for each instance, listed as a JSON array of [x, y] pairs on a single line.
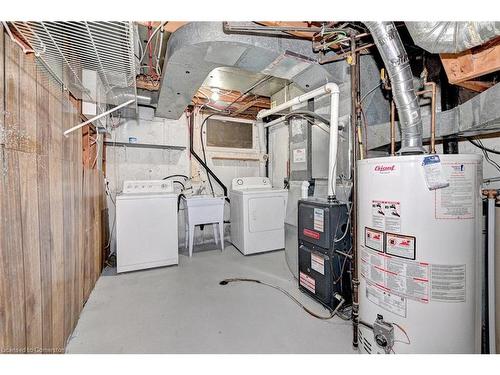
[[103, 48]]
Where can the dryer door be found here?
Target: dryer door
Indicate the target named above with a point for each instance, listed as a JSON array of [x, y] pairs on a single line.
[[266, 213]]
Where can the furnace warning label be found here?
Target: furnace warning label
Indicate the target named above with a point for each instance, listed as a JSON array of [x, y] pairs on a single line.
[[448, 283], [374, 239], [386, 215], [400, 246], [318, 263], [386, 300], [319, 219], [457, 200], [401, 277], [307, 282], [299, 155]]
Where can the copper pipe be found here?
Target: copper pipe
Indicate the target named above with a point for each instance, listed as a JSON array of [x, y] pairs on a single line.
[[490, 193], [431, 91], [354, 209], [433, 116], [393, 128]]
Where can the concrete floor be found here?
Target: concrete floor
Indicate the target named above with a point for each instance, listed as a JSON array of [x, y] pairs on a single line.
[[183, 309]]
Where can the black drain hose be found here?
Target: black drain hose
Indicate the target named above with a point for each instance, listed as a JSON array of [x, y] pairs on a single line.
[[285, 292]]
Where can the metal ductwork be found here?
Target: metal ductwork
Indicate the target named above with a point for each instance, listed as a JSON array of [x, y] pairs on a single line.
[[197, 48], [452, 37], [389, 44]]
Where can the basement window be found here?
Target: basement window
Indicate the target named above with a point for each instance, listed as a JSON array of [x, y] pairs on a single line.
[[229, 134]]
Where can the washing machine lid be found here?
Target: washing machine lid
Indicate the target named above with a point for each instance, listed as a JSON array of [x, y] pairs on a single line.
[[260, 191], [125, 196]]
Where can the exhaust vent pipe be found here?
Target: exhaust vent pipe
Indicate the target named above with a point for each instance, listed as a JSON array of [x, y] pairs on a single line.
[[389, 44]]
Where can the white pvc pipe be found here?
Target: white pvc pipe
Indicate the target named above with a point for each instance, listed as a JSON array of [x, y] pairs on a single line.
[[323, 90], [332, 89], [304, 189], [98, 117], [491, 275], [334, 139]]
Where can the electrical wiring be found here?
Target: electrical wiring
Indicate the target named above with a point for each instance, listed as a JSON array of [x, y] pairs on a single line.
[[289, 295], [176, 175], [408, 342], [348, 215], [162, 24], [369, 92], [203, 149], [108, 193], [482, 146], [478, 143]]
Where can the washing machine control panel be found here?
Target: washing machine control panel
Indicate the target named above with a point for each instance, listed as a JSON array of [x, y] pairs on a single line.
[[250, 183], [148, 186]]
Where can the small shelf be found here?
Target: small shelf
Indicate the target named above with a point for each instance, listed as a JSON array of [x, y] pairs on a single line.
[[143, 145]]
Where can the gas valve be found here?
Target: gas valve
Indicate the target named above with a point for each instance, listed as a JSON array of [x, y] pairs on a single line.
[[383, 333]]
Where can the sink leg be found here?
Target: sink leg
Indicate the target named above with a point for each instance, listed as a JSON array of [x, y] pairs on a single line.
[[191, 240], [221, 230], [214, 227]]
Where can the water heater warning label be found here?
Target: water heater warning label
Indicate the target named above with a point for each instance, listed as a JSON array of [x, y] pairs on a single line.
[[448, 283], [457, 200], [386, 300], [386, 215], [400, 246], [400, 277], [374, 239]]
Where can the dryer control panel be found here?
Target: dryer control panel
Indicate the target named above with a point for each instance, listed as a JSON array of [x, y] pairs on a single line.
[[242, 183], [148, 186]]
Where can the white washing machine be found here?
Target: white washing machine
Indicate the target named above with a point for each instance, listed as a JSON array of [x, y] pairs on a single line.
[[257, 215], [146, 225]]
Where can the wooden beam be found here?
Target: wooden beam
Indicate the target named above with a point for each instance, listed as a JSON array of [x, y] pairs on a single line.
[[142, 82], [246, 106], [478, 86], [300, 34], [473, 63]]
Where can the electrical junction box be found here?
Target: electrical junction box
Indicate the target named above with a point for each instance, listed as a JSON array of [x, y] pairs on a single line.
[[322, 233]]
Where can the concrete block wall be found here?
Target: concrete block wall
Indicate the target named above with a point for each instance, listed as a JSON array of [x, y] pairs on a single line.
[[150, 164]]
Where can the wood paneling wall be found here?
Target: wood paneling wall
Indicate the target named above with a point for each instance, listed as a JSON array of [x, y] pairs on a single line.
[[50, 209]]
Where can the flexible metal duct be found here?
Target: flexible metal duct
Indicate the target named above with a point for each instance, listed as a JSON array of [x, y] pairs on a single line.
[[452, 37], [389, 44]]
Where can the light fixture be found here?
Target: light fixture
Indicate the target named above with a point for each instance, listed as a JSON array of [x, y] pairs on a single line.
[[215, 96]]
